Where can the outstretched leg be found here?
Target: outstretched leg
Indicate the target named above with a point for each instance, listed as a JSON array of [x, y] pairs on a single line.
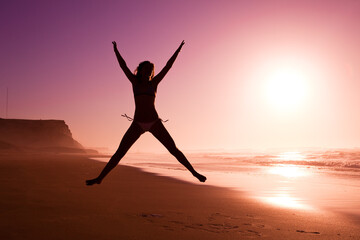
[[130, 137], [160, 132]]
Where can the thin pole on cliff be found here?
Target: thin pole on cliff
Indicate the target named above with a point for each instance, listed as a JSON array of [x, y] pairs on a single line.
[[7, 102]]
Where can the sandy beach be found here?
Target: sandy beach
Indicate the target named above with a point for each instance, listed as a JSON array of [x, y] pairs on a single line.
[[45, 197]]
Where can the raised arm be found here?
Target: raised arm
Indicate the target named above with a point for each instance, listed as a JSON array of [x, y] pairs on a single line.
[[168, 65], [123, 65]]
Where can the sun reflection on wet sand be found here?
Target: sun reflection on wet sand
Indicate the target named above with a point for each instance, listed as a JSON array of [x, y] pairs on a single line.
[[285, 201]]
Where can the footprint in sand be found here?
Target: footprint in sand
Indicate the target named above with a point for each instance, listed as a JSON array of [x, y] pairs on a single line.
[[250, 233], [177, 222], [145, 215], [150, 217], [168, 228], [302, 231]]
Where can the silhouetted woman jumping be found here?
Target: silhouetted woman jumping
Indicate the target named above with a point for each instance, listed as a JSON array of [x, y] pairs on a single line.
[[146, 118]]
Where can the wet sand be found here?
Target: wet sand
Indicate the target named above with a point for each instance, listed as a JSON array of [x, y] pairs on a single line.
[[45, 197]]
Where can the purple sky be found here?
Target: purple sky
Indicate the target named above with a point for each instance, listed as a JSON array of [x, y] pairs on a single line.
[[57, 61]]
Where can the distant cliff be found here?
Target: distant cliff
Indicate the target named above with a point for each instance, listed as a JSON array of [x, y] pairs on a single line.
[[44, 135]]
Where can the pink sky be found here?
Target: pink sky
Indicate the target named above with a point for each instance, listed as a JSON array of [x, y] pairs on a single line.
[[57, 61]]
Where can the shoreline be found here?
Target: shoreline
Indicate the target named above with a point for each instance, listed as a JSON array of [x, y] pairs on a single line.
[[45, 197], [311, 189]]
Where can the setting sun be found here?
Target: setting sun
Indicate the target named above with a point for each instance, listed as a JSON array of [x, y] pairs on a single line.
[[286, 88]]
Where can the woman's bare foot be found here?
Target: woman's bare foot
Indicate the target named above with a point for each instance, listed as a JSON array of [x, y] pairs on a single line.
[[93, 181], [200, 177]]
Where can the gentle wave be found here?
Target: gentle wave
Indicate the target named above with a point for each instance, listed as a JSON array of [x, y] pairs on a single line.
[[335, 160]]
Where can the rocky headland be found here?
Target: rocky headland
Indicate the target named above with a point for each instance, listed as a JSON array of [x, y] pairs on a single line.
[[52, 136]]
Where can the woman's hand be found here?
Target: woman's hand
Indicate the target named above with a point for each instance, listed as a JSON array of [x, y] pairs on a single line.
[[168, 65], [181, 44], [122, 64], [114, 43]]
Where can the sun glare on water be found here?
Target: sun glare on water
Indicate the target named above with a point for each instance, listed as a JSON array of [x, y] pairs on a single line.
[[285, 168], [288, 171]]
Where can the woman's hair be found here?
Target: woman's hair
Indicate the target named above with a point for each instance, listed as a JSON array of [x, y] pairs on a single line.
[[139, 69]]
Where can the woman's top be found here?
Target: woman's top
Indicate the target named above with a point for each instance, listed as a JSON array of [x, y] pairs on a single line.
[[144, 88]]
